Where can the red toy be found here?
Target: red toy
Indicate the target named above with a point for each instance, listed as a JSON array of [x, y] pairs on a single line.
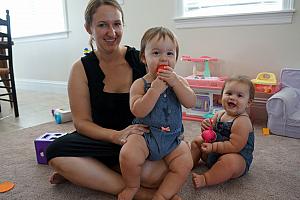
[[160, 67], [209, 135]]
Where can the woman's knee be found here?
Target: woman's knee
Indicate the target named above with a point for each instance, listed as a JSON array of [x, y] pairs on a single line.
[[58, 163]]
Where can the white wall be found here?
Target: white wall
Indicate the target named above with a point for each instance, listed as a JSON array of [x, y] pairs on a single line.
[[52, 59], [241, 50]]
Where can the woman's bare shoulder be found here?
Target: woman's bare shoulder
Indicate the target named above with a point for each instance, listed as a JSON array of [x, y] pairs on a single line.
[[77, 65], [77, 74]]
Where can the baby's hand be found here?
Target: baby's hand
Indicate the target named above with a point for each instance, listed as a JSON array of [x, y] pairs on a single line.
[[168, 75], [159, 85], [205, 124], [206, 147]]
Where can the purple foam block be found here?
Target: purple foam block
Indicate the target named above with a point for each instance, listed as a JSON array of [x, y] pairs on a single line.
[[41, 143]]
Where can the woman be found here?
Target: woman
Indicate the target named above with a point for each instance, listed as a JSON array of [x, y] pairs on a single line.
[[99, 85]]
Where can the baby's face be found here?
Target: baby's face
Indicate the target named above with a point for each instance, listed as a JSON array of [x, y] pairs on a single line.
[[235, 98], [160, 52]]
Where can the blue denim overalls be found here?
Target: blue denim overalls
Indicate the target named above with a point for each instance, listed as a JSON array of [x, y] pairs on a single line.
[[223, 131], [165, 124]]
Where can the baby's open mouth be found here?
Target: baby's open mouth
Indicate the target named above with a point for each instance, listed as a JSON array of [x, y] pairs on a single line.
[[231, 105]]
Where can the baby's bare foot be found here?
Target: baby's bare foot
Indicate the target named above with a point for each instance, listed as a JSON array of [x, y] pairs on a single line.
[[198, 180], [128, 193], [56, 178]]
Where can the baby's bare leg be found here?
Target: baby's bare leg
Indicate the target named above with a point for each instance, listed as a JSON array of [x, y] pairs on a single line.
[[180, 164], [132, 157], [227, 167], [195, 150]]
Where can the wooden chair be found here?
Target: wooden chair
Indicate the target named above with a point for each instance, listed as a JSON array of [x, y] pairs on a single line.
[[6, 66]]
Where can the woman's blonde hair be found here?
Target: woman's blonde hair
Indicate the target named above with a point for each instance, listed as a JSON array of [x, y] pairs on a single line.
[[91, 10]]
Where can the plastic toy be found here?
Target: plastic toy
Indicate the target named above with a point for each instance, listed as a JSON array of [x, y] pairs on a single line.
[[62, 116], [86, 51], [160, 67], [6, 186], [265, 131], [41, 143], [265, 82], [202, 59], [202, 103], [209, 135], [206, 87]]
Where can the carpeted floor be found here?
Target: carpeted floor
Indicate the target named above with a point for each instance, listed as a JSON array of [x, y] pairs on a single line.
[[274, 174]]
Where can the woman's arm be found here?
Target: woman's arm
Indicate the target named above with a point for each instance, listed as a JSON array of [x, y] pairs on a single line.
[[79, 99]]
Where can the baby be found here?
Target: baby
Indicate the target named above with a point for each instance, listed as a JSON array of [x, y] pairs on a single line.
[[156, 101], [230, 156]]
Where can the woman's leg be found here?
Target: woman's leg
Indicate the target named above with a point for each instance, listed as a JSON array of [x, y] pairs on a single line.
[[56, 178], [227, 167], [88, 172], [152, 174], [132, 157], [95, 175], [180, 164]]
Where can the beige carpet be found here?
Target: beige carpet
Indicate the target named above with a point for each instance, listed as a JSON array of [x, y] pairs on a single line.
[[275, 173]]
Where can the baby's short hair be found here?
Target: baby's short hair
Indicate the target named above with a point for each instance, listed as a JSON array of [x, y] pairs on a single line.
[[161, 32], [242, 79]]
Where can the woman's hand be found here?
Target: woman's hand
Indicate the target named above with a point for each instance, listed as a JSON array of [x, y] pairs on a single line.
[[122, 135]]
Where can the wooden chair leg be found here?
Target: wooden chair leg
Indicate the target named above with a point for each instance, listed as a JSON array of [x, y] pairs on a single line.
[[6, 62], [15, 102]]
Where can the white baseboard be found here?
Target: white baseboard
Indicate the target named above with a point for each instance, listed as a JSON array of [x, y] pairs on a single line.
[[42, 85]]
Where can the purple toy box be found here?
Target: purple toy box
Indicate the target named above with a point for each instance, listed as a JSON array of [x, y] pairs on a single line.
[[41, 143]]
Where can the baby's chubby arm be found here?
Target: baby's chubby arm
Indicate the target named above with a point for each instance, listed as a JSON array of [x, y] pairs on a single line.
[[184, 93], [142, 103], [238, 138]]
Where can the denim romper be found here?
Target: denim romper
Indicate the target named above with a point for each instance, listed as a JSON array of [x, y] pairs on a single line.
[[223, 131], [166, 114]]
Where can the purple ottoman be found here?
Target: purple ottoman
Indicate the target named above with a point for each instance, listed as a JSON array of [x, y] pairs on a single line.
[[41, 143]]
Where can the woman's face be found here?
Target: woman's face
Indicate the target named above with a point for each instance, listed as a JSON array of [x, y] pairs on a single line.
[[106, 28]]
